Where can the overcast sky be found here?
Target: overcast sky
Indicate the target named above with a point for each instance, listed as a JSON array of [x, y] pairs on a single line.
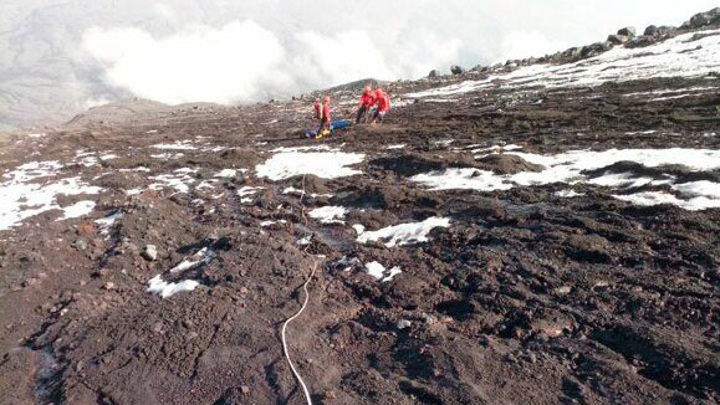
[[81, 53]]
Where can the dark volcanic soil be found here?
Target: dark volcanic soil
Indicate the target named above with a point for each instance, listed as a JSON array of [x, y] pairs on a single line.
[[526, 298]]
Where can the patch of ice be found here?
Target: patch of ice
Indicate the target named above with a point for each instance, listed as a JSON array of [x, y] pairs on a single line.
[[665, 92], [106, 223], [35, 135], [77, 210], [329, 215], [382, 274], [328, 165], [108, 157], [701, 188], [180, 181], [296, 191], [652, 198], [227, 173], [158, 286], [359, 229], [179, 145], [204, 256], [463, 179], [444, 142], [650, 132], [246, 192], [324, 148], [398, 146], [569, 194], [167, 156], [404, 234], [136, 169], [626, 180]]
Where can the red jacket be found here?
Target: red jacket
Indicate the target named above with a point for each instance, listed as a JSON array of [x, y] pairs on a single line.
[[367, 100], [383, 100], [318, 110], [326, 112]]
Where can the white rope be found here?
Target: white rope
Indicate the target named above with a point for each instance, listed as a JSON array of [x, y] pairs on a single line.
[[284, 343], [304, 305]]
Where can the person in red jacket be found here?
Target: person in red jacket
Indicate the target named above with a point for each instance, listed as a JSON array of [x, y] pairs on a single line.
[[366, 102], [382, 100], [326, 119], [317, 110]]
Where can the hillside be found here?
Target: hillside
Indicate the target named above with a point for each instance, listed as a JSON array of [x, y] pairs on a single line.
[[537, 232]]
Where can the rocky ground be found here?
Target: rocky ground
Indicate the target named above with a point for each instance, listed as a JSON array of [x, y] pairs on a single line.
[[594, 287]]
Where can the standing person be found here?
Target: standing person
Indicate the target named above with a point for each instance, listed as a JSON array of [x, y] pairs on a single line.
[[326, 119], [366, 102], [317, 110], [382, 100]]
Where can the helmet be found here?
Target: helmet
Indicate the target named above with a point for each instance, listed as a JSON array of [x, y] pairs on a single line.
[[368, 89], [327, 100]]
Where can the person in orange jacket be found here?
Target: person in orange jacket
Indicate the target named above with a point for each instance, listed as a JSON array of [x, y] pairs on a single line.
[[366, 102], [384, 105]]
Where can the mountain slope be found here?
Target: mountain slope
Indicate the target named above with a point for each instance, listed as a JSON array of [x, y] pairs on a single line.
[[543, 235]]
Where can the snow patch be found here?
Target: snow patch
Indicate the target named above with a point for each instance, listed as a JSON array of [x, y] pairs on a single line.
[[328, 165], [329, 215], [382, 274], [104, 224], [404, 234], [179, 145], [157, 285], [77, 210], [28, 190], [570, 167]]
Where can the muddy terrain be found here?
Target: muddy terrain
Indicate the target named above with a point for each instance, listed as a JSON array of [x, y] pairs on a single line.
[[516, 243]]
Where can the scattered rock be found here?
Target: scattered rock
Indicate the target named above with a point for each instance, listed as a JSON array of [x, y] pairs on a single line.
[[457, 70], [244, 389], [564, 290], [157, 327], [403, 324], [150, 253], [80, 244], [108, 286], [618, 39], [627, 32]]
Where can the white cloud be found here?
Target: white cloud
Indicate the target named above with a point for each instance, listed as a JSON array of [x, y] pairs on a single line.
[[237, 62], [522, 44], [243, 61]]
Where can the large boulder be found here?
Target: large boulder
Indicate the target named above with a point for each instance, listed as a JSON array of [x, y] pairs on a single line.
[[702, 19], [457, 70], [433, 73], [655, 31], [618, 39], [627, 32]]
